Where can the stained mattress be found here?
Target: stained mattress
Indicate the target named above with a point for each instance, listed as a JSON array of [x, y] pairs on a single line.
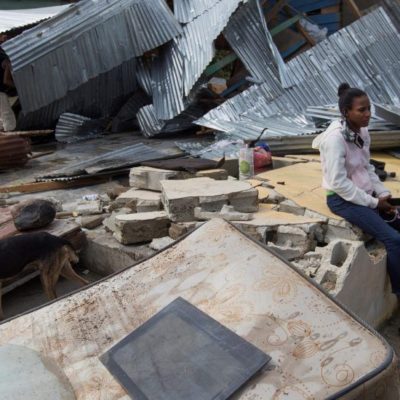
[[318, 349]]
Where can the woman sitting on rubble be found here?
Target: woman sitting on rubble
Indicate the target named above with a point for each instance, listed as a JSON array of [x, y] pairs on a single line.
[[354, 191]]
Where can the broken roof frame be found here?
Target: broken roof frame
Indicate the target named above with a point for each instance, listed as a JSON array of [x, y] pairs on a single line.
[[176, 72], [367, 61], [60, 50]]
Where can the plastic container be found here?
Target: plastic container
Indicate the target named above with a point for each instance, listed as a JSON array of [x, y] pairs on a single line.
[[246, 163]]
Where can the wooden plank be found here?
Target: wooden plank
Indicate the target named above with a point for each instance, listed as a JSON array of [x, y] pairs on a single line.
[[307, 36], [212, 69], [17, 282], [354, 8], [41, 154], [312, 5], [324, 19], [330, 10], [273, 12], [46, 132], [35, 187], [285, 24]]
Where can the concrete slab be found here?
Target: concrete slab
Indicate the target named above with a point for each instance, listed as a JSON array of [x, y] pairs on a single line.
[[359, 281], [141, 227], [217, 174], [104, 255], [181, 197], [139, 200], [149, 178]]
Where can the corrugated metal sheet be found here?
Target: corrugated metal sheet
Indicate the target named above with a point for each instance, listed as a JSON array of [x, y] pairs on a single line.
[[247, 35], [125, 157], [187, 10], [393, 10], [11, 19], [101, 96], [152, 126], [126, 118], [69, 124], [88, 39], [182, 62], [13, 151], [196, 105], [325, 114], [369, 61], [143, 75]]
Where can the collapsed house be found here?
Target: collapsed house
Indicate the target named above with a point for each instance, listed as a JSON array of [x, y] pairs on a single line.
[[283, 272], [169, 63]]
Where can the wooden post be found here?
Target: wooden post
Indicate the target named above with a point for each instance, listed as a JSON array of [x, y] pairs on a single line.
[[354, 8]]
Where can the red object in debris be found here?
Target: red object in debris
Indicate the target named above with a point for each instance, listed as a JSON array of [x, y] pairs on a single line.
[[262, 158], [14, 151]]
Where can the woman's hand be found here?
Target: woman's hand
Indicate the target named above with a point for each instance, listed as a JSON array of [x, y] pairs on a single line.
[[385, 206]]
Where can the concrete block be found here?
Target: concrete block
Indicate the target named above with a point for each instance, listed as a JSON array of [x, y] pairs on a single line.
[[291, 207], [246, 201], [356, 279], [313, 214], [141, 227], [181, 197], [176, 230], [109, 222], [161, 243], [104, 255], [263, 194], [256, 232], [227, 212], [231, 165], [116, 191], [150, 178], [309, 263], [342, 229], [293, 236], [273, 196], [92, 221], [287, 252], [89, 207], [139, 200], [217, 174]]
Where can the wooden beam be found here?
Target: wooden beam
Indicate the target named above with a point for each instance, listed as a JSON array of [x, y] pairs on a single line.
[[354, 8], [45, 132], [35, 187], [275, 10]]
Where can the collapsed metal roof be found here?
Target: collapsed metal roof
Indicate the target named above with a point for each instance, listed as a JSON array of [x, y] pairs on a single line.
[[183, 61], [248, 35], [11, 19], [369, 61], [187, 10], [101, 96], [88, 39]]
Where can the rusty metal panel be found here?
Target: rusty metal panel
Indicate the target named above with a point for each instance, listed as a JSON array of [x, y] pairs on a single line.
[[13, 151]]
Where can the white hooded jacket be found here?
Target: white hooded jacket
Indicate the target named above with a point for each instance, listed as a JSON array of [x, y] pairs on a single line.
[[346, 168]]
